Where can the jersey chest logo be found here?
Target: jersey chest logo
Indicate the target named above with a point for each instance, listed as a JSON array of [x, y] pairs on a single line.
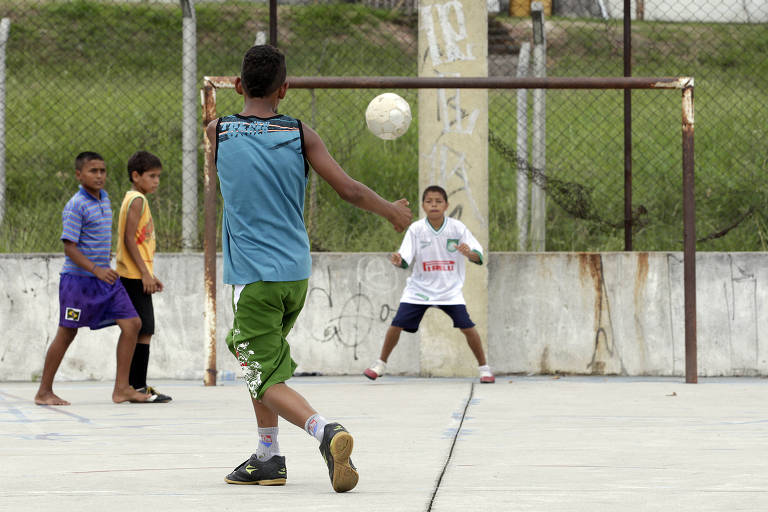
[[452, 244], [439, 266]]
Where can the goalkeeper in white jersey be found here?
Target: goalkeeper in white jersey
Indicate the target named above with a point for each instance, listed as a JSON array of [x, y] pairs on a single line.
[[435, 248]]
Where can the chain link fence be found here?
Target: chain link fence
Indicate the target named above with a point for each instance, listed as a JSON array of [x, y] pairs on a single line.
[[108, 76]]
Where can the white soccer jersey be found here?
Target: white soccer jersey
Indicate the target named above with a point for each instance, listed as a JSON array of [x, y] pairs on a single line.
[[438, 266]]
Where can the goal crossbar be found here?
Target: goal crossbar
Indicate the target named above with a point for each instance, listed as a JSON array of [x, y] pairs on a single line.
[[504, 82]]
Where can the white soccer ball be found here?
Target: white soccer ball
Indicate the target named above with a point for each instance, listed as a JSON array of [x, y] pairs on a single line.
[[388, 116]]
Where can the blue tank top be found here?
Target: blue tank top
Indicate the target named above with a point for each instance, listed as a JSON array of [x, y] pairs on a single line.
[[263, 177]]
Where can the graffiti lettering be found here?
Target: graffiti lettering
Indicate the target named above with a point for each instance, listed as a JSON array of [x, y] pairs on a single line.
[[453, 30], [351, 324]]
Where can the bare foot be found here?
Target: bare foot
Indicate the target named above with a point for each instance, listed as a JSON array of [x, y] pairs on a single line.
[[49, 398], [128, 394]]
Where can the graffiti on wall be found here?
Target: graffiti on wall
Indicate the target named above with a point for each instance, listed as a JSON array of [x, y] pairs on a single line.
[[351, 318]]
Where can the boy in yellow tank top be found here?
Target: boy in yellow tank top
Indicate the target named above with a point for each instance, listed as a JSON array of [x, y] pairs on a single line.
[[135, 257]]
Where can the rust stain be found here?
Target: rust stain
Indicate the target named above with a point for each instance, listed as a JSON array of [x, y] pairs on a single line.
[[641, 278], [642, 268], [589, 265], [688, 121], [220, 82], [673, 83]]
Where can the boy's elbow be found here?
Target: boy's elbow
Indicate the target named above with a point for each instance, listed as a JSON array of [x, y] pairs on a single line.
[[351, 192]]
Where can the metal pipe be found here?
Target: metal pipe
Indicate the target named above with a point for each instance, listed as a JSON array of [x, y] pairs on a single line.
[[539, 130], [689, 239], [209, 241], [189, 139], [522, 150], [627, 129], [273, 23], [312, 217], [5, 27], [459, 82]]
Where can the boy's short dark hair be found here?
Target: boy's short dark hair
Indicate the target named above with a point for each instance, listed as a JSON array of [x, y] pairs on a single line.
[[435, 188], [263, 71], [141, 162], [86, 156]]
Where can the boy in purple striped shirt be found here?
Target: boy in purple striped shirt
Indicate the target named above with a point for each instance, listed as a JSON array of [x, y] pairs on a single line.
[[90, 293]]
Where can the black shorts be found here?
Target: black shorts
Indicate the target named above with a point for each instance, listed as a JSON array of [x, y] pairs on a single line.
[[142, 302], [408, 316]]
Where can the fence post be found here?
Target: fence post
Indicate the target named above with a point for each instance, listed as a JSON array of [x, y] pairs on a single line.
[[189, 139], [5, 27], [522, 149], [273, 23], [209, 240], [689, 239], [627, 129], [312, 217], [539, 142]]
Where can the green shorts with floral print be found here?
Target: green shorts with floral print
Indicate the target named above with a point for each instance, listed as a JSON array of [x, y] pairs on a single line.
[[265, 312]]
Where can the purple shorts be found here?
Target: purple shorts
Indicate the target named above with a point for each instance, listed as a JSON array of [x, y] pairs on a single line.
[[90, 302]]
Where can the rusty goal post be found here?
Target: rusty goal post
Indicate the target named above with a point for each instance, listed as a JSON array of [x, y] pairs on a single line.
[[684, 84]]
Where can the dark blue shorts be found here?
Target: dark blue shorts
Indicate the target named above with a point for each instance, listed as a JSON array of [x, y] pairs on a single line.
[[90, 302], [142, 302], [408, 316]]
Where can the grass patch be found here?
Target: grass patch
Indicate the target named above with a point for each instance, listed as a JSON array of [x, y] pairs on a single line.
[[107, 77]]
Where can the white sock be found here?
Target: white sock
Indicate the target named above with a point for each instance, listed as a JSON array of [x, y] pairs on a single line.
[[484, 368], [268, 445], [315, 426]]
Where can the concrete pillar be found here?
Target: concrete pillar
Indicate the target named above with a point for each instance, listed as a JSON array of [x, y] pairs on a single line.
[[453, 153]]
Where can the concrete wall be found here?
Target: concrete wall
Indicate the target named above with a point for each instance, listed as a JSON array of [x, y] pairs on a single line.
[[622, 313], [611, 313], [352, 299]]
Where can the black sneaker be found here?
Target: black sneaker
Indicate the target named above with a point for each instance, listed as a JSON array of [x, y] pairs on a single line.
[[335, 448], [154, 396], [256, 472]]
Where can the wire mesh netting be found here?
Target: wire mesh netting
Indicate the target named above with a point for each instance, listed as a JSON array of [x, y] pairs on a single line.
[[107, 76]]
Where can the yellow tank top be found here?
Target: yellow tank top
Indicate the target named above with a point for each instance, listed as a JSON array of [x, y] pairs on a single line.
[[145, 238]]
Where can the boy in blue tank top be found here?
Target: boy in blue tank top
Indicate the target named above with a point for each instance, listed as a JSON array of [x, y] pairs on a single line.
[[262, 160]]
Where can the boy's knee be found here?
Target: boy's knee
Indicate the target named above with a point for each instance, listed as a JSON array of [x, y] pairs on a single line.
[[131, 325], [67, 334]]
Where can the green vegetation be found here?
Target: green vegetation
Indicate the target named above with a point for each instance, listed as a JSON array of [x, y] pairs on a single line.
[[106, 76]]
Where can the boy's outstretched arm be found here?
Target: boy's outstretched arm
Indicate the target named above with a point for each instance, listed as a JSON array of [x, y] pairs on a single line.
[[352, 191]]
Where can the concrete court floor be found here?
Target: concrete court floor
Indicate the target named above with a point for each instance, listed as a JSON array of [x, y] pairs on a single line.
[[524, 443]]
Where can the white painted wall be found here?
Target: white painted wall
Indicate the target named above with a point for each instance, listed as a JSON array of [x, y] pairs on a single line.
[[548, 312], [622, 313], [716, 11]]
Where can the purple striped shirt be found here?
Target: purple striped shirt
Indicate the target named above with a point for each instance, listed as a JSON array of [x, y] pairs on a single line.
[[87, 221]]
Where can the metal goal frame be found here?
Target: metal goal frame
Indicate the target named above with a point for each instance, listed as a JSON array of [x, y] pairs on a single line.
[[684, 84]]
